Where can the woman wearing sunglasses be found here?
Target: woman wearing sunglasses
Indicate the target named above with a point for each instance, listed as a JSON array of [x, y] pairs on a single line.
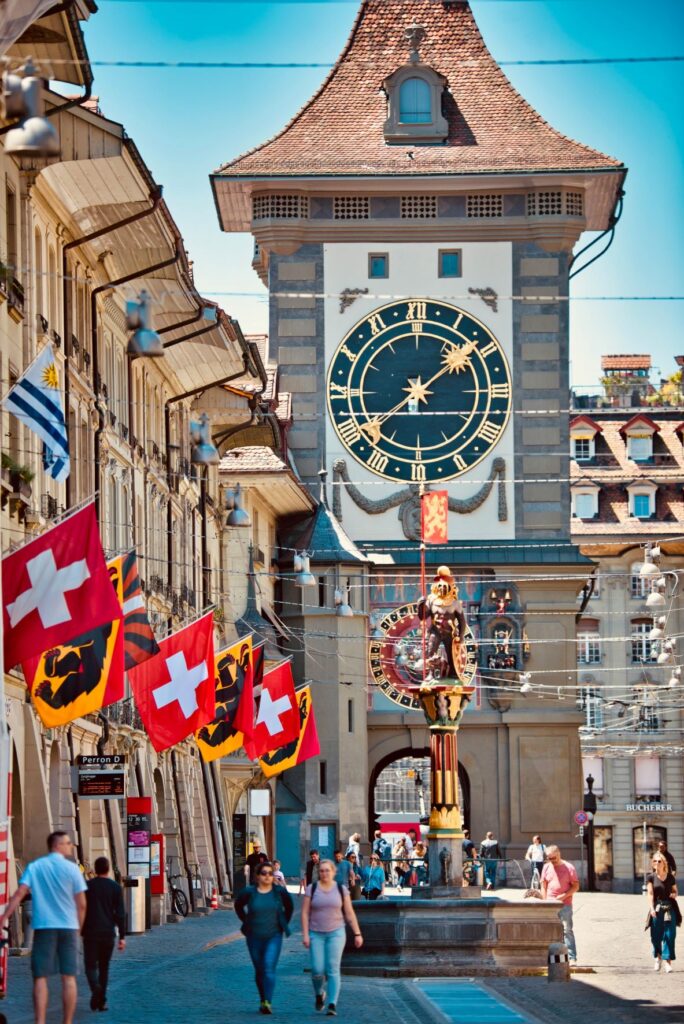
[[265, 911], [664, 915]]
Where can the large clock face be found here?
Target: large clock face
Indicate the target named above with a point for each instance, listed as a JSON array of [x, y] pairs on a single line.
[[419, 390], [396, 659]]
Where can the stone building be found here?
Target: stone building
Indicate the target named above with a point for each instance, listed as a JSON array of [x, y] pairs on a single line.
[[78, 238], [626, 496], [414, 223]]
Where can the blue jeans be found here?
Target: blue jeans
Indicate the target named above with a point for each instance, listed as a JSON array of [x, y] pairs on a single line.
[[490, 871], [663, 935], [326, 956], [565, 914], [264, 954]]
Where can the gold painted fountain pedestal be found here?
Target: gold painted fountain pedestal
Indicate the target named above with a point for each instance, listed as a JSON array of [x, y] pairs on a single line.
[[443, 705]]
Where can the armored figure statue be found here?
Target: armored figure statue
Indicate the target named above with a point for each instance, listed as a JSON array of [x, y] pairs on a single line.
[[447, 627]]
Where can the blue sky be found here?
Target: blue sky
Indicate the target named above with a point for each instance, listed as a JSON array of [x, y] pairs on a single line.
[[187, 122]]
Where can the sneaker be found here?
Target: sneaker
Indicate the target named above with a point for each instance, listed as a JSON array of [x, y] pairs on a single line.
[[265, 1007], [331, 1011], [320, 1001], [668, 967], [656, 964]]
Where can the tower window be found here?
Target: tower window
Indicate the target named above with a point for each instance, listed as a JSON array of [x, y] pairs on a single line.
[[449, 262], [415, 105], [378, 264]]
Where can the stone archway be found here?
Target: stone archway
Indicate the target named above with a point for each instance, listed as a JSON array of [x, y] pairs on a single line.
[[396, 755]]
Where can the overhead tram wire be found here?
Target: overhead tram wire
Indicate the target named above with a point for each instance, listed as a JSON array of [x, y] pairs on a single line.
[[227, 65]]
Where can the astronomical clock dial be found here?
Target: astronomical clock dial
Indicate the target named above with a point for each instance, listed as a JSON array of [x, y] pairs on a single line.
[[419, 391], [396, 659]]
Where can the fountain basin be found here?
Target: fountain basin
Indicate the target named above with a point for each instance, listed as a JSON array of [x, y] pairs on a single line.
[[453, 937]]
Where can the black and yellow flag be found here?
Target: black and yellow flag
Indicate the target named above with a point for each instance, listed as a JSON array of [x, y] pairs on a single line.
[[234, 702], [305, 746]]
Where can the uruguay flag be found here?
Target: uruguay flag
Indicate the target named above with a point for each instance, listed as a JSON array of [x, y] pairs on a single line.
[[36, 399]]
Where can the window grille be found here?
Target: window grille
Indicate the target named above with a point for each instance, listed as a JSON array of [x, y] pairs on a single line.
[[418, 207], [574, 204], [544, 204], [351, 208], [280, 207], [487, 205]]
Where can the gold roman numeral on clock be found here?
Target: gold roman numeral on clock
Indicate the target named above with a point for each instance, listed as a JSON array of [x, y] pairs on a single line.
[[348, 431], [346, 351], [416, 311], [378, 462], [487, 350], [500, 391], [489, 431], [460, 462], [417, 472], [417, 327], [376, 323], [341, 391]]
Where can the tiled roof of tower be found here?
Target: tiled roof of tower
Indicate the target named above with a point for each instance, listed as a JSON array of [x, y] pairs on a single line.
[[491, 127], [635, 362]]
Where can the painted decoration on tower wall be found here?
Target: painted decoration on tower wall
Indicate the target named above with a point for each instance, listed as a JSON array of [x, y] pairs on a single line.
[[396, 660], [419, 390]]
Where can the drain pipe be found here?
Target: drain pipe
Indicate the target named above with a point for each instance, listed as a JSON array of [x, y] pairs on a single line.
[[95, 354], [155, 197]]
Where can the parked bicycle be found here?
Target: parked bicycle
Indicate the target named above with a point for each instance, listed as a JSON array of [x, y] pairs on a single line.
[[179, 901]]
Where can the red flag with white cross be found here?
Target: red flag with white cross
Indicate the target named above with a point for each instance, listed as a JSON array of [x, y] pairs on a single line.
[[175, 691], [277, 714], [55, 588]]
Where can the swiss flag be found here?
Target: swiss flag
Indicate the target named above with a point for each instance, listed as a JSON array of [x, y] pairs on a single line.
[[244, 716], [175, 691], [55, 588], [277, 716]]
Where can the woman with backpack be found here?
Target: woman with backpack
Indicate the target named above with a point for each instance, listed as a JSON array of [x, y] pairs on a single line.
[[325, 909], [265, 911]]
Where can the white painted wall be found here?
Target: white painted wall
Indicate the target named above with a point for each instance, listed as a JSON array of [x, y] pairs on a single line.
[[413, 272]]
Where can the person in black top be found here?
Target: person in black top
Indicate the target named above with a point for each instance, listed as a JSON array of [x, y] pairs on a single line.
[[671, 862], [256, 857], [104, 913], [664, 915]]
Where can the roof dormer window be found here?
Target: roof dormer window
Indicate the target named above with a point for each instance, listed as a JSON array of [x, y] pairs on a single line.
[[414, 97], [415, 102]]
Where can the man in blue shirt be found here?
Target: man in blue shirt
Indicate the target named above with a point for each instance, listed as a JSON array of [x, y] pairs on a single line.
[[57, 888]]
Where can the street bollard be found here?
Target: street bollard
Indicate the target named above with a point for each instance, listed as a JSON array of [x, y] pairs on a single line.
[[559, 965]]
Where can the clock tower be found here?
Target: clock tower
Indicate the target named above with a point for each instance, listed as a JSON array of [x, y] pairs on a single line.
[[414, 223]]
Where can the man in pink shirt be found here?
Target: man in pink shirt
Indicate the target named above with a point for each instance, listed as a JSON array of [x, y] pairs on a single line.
[[559, 882]]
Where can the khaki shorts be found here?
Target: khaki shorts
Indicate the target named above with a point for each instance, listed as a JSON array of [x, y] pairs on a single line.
[[55, 951]]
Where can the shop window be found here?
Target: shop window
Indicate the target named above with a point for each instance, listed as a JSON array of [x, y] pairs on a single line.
[[645, 839]]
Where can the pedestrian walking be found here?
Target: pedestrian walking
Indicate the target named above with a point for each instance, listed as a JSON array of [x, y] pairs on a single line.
[[265, 910], [671, 862], [468, 846], [343, 869], [278, 876], [384, 852], [256, 857], [355, 877], [401, 864], [104, 914], [536, 854], [57, 889], [664, 915], [354, 846], [325, 909], [310, 870], [490, 852], [374, 879], [559, 882]]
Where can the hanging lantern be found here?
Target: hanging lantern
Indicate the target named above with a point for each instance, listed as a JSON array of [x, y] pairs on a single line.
[[144, 341], [237, 516], [35, 139]]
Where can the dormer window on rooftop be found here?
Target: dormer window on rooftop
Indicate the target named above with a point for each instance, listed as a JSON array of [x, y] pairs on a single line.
[[414, 97]]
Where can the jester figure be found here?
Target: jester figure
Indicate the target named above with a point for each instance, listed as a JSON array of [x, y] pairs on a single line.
[[447, 626]]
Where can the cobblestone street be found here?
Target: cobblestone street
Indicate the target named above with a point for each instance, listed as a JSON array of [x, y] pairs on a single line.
[[198, 972]]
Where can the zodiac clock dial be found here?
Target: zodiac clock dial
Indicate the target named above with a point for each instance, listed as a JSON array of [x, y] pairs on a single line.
[[419, 390], [396, 659]]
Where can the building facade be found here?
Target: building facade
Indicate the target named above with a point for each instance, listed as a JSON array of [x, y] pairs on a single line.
[[627, 469]]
